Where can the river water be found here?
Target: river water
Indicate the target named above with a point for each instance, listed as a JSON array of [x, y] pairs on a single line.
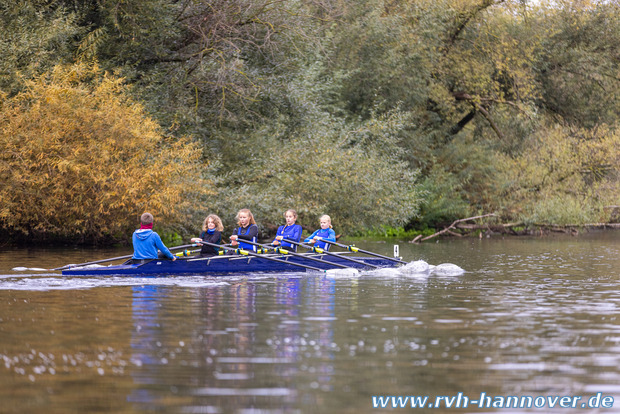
[[530, 317]]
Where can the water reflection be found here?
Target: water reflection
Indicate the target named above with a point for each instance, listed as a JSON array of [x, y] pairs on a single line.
[[144, 341], [227, 345]]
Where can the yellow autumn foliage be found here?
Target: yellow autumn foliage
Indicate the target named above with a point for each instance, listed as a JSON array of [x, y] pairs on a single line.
[[81, 159], [569, 176]]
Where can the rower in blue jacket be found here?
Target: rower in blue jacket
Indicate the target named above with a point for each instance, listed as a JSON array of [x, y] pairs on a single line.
[[247, 230], [325, 232], [289, 231], [146, 243]]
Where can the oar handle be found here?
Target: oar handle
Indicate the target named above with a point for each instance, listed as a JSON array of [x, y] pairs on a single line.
[[183, 247], [186, 253], [302, 245]]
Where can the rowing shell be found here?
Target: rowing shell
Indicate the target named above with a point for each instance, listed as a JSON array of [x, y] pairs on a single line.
[[228, 264]]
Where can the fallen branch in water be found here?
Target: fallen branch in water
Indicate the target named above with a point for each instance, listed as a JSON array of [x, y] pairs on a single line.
[[450, 227], [494, 228]]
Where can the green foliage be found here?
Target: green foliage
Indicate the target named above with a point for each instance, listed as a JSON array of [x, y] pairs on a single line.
[[568, 176], [82, 160], [171, 238], [396, 233], [474, 78], [322, 165], [35, 35], [578, 61], [442, 202], [200, 65], [560, 210]]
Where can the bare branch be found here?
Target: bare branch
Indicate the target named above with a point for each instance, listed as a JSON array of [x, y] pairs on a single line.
[[453, 225]]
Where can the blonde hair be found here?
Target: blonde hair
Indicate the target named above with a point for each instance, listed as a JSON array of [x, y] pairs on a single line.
[[328, 218], [290, 210], [216, 220], [146, 218], [249, 213]]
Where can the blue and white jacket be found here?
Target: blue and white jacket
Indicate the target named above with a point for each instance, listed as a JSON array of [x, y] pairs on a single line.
[[247, 233], [327, 234], [292, 233]]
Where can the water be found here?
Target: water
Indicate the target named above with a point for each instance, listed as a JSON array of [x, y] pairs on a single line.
[[530, 317]]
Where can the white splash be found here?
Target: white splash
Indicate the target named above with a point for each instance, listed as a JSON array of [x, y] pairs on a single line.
[[346, 272], [447, 269], [419, 267], [91, 266], [384, 271]]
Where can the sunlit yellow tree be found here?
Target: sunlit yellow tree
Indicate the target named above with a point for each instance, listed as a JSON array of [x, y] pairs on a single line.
[[570, 177], [81, 161]]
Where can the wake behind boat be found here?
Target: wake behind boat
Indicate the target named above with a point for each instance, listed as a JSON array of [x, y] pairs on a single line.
[[237, 264]]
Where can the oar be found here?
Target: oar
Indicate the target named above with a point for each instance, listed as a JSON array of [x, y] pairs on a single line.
[[322, 251], [249, 253], [281, 250], [352, 248], [38, 269], [186, 253]]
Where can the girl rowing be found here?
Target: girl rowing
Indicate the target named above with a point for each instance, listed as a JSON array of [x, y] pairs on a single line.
[[212, 233], [289, 231], [247, 230], [325, 232]]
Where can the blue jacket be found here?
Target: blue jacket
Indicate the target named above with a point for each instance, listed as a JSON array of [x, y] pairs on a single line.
[[145, 245], [327, 234], [248, 233], [292, 233]]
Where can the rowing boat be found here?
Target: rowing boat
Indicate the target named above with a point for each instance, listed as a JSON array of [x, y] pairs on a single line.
[[227, 264]]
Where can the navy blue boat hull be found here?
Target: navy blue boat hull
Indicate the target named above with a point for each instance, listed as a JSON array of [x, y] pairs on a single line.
[[227, 265]]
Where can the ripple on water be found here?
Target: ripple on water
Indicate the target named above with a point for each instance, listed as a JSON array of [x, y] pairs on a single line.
[[44, 283], [245, 392]]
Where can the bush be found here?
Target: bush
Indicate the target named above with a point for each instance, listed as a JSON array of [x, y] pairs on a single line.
[[566, 176], [561, 211], [81, 161]]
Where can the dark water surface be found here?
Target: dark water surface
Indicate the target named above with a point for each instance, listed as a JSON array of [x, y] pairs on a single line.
[[535, 317]]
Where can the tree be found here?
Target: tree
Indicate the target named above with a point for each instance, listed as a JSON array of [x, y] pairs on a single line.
[[475, 79], [578, 62], [196, 63], [567, 178], [35, 35], [309, 159], [81, 160], [454, 95]]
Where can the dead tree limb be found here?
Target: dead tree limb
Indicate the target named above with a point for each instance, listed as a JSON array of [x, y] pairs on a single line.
[[453, 226]]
